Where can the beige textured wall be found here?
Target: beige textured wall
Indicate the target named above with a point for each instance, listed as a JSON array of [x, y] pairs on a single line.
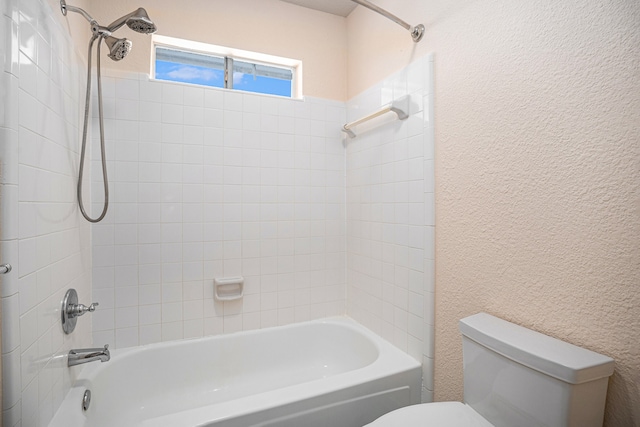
[[266, 26], [537, 118]]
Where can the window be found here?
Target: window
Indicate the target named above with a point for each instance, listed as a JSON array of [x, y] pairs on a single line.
[[215, 66]]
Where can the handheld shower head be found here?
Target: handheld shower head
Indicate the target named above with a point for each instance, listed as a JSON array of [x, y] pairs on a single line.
[[118, 48], [137, 20]]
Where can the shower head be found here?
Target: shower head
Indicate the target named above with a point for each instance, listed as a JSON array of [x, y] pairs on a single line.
[[141, 23], [118, 48], [137, 20]]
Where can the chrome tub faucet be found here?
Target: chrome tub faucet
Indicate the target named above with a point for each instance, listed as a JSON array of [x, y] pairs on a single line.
[[86, 355]]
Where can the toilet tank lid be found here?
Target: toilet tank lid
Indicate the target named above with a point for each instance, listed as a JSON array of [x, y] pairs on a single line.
[[559, 359]]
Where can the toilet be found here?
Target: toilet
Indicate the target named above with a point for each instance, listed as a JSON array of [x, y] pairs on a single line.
[[516, 377]]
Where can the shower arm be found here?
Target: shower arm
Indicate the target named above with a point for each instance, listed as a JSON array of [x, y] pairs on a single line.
[[416, 32], [64, 7], [96, 28]]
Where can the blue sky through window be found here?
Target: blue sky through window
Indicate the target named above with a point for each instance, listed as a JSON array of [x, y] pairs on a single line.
[[194, 74], [200, 75], [261, 84]]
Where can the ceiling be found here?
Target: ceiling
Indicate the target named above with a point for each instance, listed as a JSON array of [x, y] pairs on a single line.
[[335, 7]]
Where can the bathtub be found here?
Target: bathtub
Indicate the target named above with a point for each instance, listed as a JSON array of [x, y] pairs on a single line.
[[329, 373]]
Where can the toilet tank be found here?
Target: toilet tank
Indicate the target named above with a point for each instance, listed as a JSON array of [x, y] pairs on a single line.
[[514, 376]]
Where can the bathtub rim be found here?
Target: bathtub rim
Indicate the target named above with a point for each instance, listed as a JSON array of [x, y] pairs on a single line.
[[390, 362], [89, 371]]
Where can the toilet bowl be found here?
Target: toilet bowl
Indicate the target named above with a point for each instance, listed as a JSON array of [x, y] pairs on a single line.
[[516, 377], [440, 414]]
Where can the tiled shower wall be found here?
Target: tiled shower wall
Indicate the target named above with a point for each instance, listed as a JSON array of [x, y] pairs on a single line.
[[209, 183], [41, 232], [205, 183], [390, 217]]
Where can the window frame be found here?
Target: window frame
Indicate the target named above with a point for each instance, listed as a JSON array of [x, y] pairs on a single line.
[[229, 55]]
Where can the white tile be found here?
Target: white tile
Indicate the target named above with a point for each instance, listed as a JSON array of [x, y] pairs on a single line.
[[126, 255], [193, 135], [28, 328], [150, 91], [103, 277], [429, 333], [127, 337], [126, 296], [251, 103], [27, 248], [10, 157], [29, 401], [150, 334], [10, 316], [233, 101], [193, 116], [104, 296], [127, 109], [214, 98], [125, 234], [193, 328], [127, 89], [213, 118], [126, 275], [427, 396], [28, 293], [193, 309], [232, 119], [193, 291], [171, 312], [192, 271], [11, 379], [126, 317], [429, 242], [150, 294], [172, 94], [192, 154], [427, 372], [194, 96], [103, 319]]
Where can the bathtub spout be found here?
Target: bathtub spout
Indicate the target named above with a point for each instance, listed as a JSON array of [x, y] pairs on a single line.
[[86, 355]]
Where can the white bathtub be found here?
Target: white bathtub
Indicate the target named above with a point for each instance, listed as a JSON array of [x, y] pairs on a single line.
[[332, 372]]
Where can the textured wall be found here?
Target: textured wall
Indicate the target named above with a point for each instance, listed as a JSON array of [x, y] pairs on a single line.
[[267, 26], [538, 172], [537, 106]]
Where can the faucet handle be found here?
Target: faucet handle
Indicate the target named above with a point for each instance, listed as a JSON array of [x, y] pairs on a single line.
[[71, 310], [76, 310]]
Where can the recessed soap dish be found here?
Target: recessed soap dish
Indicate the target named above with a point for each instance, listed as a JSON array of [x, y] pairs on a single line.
[[228, 288]]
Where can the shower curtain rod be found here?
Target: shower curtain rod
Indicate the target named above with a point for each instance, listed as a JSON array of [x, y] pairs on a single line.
[[416, 32]]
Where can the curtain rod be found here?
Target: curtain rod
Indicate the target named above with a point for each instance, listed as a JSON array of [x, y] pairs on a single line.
[[416, 32]]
